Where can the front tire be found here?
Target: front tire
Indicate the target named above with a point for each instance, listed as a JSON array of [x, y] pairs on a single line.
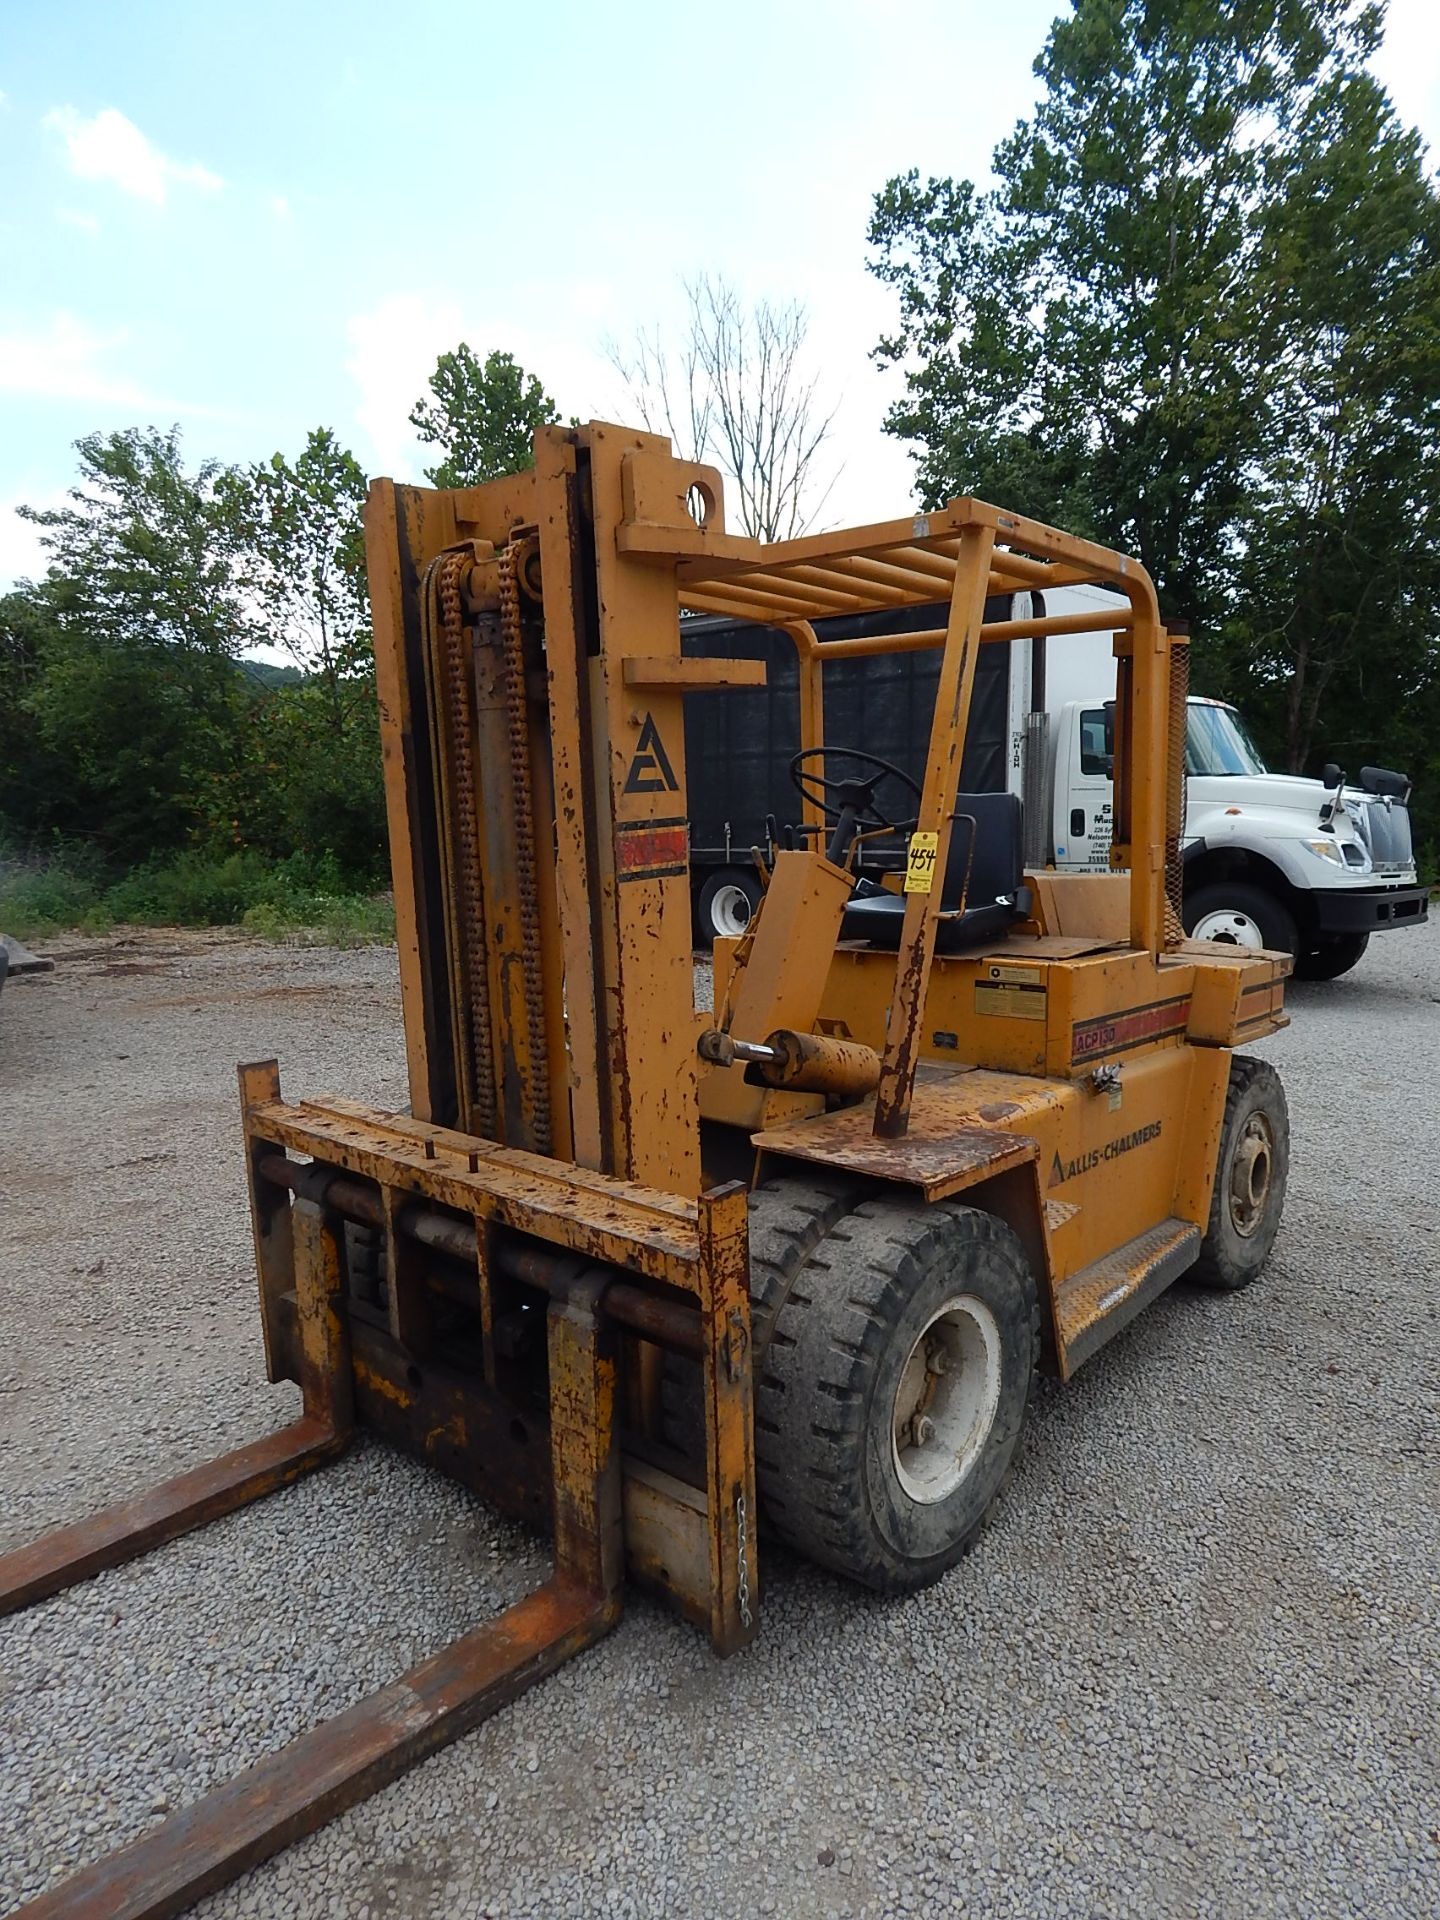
[[1240, 915], [1332, 957], [1250, 1178], [891, 1398], [789, 1218]]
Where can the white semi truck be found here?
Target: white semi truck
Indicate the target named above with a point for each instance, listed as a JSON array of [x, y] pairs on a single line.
[[1271, 859]]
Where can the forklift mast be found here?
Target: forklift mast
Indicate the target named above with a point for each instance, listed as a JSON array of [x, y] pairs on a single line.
[[530, 684]]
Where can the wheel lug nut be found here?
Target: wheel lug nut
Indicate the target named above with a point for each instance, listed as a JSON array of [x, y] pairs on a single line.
[[924, 1429], [938, 1361]]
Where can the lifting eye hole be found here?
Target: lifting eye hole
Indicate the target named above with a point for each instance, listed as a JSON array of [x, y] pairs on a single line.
[[699, 503]]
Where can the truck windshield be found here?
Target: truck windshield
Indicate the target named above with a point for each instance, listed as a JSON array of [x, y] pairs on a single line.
[[1216, 742]]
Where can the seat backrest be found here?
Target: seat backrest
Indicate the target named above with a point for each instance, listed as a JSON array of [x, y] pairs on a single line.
[[999, 836]]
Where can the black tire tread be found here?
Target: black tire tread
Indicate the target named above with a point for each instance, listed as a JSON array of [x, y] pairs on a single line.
[[1214, 1268], [788, 1220], [879, 1254], [1332, 958]]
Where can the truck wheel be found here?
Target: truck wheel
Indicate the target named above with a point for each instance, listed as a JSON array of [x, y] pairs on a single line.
[[726, 902], [1332, 957], [1243, 915], [890, 1401], [788, 1220], [1250, 1177]]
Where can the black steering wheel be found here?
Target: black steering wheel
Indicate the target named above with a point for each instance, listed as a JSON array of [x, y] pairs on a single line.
[[850, 803]]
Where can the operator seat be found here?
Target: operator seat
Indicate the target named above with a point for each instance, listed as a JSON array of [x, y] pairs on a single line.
[[997, 894]]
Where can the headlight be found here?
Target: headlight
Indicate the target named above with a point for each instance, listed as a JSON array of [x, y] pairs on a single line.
[[1326, 849]]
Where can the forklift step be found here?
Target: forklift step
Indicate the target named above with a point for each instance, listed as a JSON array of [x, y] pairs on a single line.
[[1094, 1304]]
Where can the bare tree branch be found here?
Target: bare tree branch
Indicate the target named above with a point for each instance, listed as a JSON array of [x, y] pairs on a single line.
[[738, 394]]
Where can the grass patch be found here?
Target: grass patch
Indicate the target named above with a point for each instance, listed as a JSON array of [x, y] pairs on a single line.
[[301, 899], [325, 920]]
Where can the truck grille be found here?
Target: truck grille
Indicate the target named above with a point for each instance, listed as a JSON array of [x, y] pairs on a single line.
[[1386, 832]]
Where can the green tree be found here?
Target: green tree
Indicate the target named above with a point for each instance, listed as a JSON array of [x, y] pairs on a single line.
[[316, 745], [1197, 318], [136, 692], [482, 415], [1332, 639], [34, 794], [1089, 340], [303, 562]]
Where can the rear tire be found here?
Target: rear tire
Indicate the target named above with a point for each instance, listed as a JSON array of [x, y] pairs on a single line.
[[1242, 915], [726, 904], [846, 1474], [1250, 1178], [1332, 957]]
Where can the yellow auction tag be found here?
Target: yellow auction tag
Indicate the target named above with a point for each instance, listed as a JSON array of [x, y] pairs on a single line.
[[920, 862]]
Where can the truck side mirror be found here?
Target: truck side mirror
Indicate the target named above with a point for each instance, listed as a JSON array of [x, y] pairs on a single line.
[[1332, 776], [1384, 781]]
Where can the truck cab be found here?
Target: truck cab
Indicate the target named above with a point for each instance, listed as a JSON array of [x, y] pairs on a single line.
[[1271, 860]]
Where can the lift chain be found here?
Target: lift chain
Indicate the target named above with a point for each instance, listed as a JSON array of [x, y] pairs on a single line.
[[513, 646], [470, 907]]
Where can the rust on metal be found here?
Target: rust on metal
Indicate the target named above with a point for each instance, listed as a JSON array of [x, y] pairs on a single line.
[[70, 1554], [939, 1163], [334, 1766], [936, 812], [670, 1322], [618, 1222]]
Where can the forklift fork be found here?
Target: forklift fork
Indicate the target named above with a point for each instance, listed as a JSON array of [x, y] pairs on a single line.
[[345, 1759]]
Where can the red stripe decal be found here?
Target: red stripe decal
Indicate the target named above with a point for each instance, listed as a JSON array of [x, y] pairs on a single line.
[[638, 847], [1148, 1023]]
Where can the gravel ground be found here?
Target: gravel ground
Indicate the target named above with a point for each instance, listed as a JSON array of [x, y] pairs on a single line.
[[1191, 1668]]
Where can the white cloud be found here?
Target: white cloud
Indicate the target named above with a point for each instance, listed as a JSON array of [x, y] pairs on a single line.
[[1408, 65], [86, 222], [280, 206], [21, 555], [110, 147], [393, 350], [67, 362]]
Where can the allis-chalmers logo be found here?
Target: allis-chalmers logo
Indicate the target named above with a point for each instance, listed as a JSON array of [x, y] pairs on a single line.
[[1063, 1170]]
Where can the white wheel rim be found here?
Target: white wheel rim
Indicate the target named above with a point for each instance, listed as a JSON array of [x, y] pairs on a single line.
[[1231, 926], [946, 1401], [730, 911]]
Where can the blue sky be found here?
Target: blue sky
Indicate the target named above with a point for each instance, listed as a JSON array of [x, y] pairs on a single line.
[[254, 220]]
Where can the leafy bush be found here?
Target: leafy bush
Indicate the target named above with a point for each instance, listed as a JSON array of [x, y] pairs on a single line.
[[302, 896], [42, 899]]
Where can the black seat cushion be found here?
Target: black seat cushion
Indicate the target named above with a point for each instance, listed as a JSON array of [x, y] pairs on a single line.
[[996, 897]]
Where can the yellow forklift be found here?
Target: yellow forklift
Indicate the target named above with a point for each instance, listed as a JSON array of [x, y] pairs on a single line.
[[653, 1276]]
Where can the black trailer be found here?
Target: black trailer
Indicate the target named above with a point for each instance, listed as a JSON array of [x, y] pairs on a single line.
[[739, 745]]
